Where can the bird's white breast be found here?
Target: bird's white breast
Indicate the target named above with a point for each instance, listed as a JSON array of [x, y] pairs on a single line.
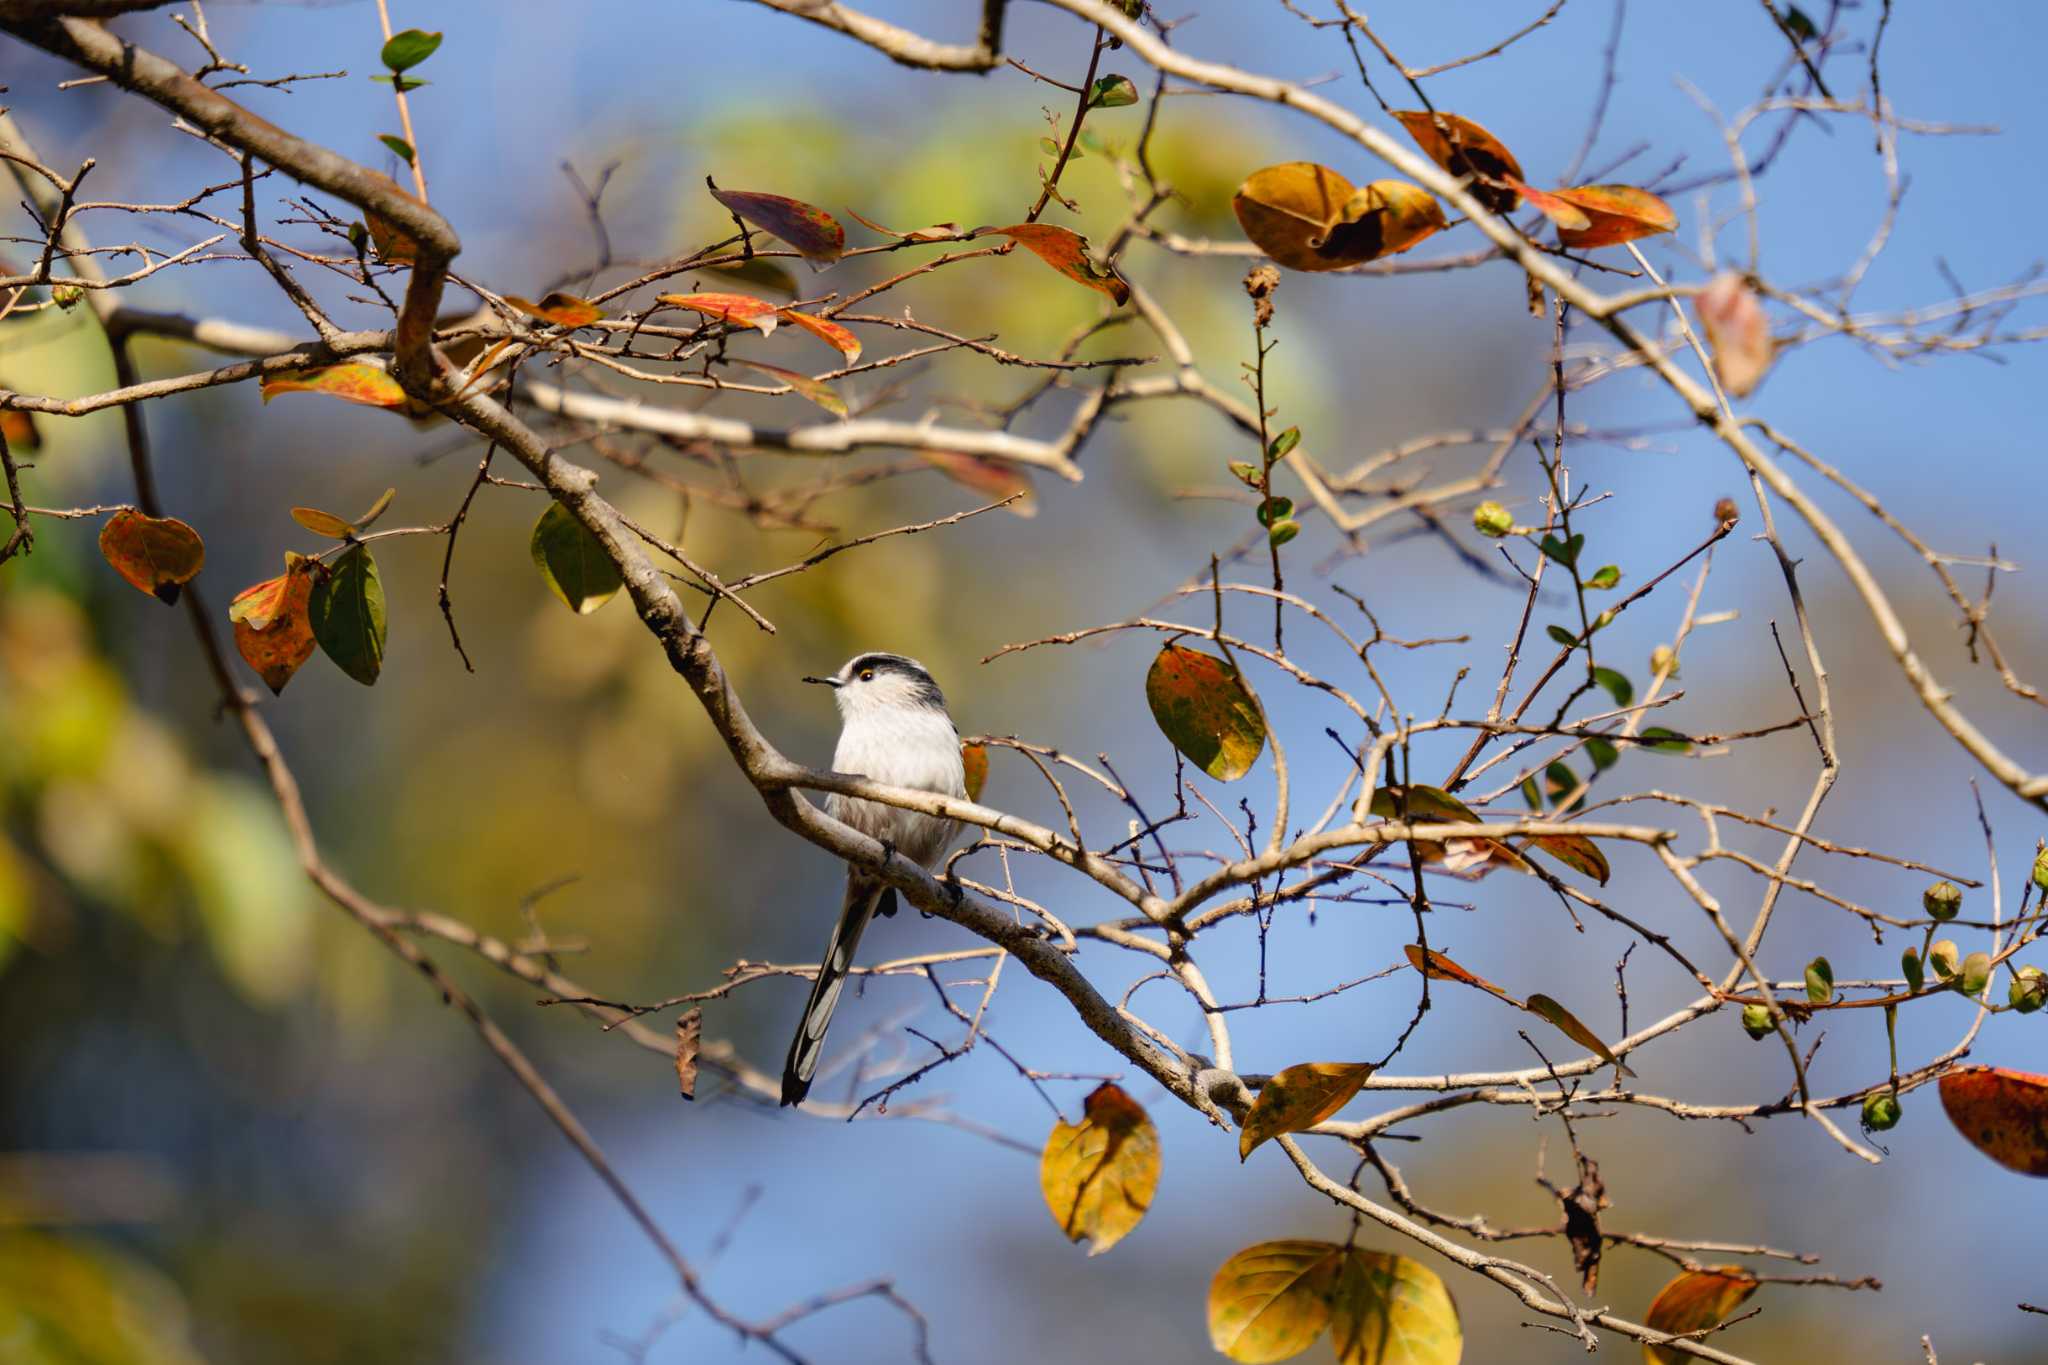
[[904, 748]]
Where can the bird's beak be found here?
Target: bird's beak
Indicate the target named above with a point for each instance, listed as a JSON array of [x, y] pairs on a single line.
[[829, 682]]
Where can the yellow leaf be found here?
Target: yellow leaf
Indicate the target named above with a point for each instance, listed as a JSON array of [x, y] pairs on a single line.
[[1432, 963], [1308, 217], [1299, 1098], [1272, 1300], [1462, 147], [355, 382], [1390, 1310], [1695, 1300], [159, 555], [1568, 1024], [1099, 1175]]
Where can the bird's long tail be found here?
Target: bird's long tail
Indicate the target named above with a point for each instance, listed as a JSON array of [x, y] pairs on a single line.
[[809, 1043]]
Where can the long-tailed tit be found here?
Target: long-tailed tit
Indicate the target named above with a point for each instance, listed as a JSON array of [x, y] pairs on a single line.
[[894, 730]]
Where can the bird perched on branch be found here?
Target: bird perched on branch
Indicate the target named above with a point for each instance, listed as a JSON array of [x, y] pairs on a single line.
[[894, 729]]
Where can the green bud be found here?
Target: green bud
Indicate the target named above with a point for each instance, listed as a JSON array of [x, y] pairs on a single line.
[[2029, 990], [1280, 532], [2041, 869], [1880, 1112], [1942, 900], [1975, 974], [1756, 1021], [1492, 520], [66, 296], [1916, 972], [1943, 957]]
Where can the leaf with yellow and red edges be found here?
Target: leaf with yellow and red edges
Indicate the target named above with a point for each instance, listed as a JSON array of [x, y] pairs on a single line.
[[1432, 963], [1693, 1302], [1308, 217], [1206, 709], [1065, 251], [159, 555], [1462, 147], [992, 478], [1099, 1175], [815, 233], [1299, 1098], [1568, 1024], [354, 382], [816, 390], [1738, 333], [273, 623], [847, 344], [564, 310], [1602, 215], [739, 310], [2003, 1113], [974, 768], [937, 232]]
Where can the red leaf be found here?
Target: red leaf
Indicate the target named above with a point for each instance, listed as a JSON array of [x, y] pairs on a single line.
[[826, 330], [815, 233], [1601, 215], [273, 625], [740, 310]]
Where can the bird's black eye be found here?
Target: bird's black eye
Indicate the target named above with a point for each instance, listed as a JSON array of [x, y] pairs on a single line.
[[867, 675]]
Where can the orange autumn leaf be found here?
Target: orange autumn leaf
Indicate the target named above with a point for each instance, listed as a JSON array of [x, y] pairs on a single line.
[[1462, 147], [2002, 1113], [159, 555], [1299, 1098], [355, 382], [1738, 333], [740, 310], [992, 478], [1694, 1301], [825, 330], [1308, 217], [563, 309], [273, 623], [974, 767], [1065, 251], [18, 429], [1601, 215], [1099, 1175], [1432, 963]]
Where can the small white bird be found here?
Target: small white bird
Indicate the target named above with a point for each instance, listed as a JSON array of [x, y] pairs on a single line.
[[894, 730]]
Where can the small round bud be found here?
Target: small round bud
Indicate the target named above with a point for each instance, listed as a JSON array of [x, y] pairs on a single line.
[[1942, 901], [2041, 869], [2029, 990], [1881, 1112], [1491, 520], [1664, 659], [1726, 511], [1975, 974], [1944, 957], [1756, 1021]]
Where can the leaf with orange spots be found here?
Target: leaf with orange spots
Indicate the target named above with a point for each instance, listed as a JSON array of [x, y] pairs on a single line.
[[1299, 1098], [1099, 1175], [2003, 1113], [1308, 217], [565, 310], [355, 382], [815, 233], [992, 478], [1462, 147], [159, 555], [273, 624], [826, 330], [974, 766], [816, 390], [1065, 251], [740, 310], [1738, 333], [1204, 707], [1695, 1301], [1601, 215]]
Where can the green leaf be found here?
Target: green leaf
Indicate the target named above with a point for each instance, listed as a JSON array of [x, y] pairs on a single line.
[[1281, 532], [1606, 576], [1531, 796], [1052, 149], [1665, 741], [1916, 974], [1562, 636], [1245, 472], [1205, 708], [347, 611], [398, 145], [573, 562], [1112, 92], [1565, 552], [1603, 753], [1275, 509], [1284, 442], [408, 49], [1820, 981], [1617, 684], [1560, 779], [377, 509], [401, 83]]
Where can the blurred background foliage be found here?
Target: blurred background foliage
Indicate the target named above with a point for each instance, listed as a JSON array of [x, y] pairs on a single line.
[[232, 1129]]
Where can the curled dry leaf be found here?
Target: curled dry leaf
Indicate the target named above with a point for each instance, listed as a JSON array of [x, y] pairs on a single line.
[[1568, 1024], [1099, 1175], [1462, 147], [159, 555], [817, 390], [273, 623], [991, 478], [815, 233], [689, 1033], [1432, 963], [1272, 1300], [563, 309], [974, 764], [1308, 217], [937, 232], [1433, 803], [2003, 1113], [847, 344], [1738, 333], [1693, 1302], [1601, 215], [1298, 1099], [740, 310], [1065, 251], [1206, 709], [572, 561], [357, 381]]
